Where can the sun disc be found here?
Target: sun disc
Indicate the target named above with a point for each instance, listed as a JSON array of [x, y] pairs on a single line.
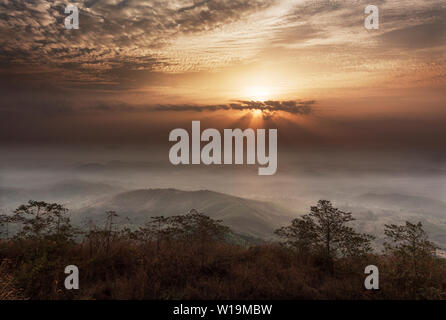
[[256, 112], [257, 93]]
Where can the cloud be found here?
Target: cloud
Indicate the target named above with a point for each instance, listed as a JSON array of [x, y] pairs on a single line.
[[52, 107], [268, 108], [120, 40], [113, 35], [417, 37]]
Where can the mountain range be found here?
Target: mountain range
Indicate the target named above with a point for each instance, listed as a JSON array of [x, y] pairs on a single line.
[[248, 217]]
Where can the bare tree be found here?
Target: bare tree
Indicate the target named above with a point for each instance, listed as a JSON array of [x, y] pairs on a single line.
[[109, 227]]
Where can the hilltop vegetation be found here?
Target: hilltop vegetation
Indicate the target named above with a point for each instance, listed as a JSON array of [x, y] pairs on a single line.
[[249, 217], [193, 256], [245, 216]]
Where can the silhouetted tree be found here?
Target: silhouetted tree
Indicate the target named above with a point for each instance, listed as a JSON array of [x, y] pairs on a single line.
[[409, 240], [324, 230], [193, 226], [300, 234], [40, 219], [108, 230], [197, 226], [414, 259], [5, 222], [158, 229]]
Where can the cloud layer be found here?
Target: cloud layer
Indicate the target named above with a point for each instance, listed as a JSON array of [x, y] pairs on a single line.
[[268, 108], [134, 64], [113, 34], [120, 37]]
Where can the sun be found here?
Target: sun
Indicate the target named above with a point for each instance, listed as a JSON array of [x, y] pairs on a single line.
[[256, 112], [257, 93]]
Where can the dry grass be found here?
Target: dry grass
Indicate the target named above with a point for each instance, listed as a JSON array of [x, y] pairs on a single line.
[[178, 270], [8, 291]]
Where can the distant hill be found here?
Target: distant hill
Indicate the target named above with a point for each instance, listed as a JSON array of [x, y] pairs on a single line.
[[250, 218], [10, 197], [243, 216], [402, 202], [79, 188], [69, 192]]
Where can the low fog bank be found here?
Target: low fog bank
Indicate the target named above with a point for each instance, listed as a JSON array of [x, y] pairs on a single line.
[[302, 176], [378, 187]]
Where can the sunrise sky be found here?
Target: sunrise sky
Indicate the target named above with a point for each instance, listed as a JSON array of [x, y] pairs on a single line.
[[135, 70]]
